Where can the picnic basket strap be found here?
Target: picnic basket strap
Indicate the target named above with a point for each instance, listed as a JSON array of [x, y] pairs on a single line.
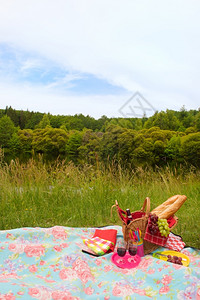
[[146, 205], [121, 212], [175, 223]]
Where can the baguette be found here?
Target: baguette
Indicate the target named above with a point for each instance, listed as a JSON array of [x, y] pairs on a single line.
[[169, 207], [165, 205]]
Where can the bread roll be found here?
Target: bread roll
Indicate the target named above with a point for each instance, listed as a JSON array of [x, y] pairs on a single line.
[[169, 207]]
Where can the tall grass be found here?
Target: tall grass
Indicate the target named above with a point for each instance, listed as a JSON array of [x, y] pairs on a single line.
[[44, 195]]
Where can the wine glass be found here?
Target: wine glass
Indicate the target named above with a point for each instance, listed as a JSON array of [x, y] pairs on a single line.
[[121, 247], [132, 247]]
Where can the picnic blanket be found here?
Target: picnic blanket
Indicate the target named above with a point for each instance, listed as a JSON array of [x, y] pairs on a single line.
[[47, 263]]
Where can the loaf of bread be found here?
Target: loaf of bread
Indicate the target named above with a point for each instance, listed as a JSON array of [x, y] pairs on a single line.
[[169, 207]]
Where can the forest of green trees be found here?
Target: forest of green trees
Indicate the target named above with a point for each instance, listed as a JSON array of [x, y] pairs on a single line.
[[167, 137]]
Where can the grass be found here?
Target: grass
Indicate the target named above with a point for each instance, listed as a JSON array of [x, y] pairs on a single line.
[[37, 194]]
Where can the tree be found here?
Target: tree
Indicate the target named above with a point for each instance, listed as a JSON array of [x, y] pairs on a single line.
[[49, 140], [7, 129], [74, 123], [26, 138], [22, 119], [57, 121], [33, 120], [15, 144], [89, 149], [157, 134], [126, 144], [86, 121], [110, 143], [164, 120], [12, 113], [101, 123], [190, 148], [140, 157], [190, 130], [44, 122], [159, 150], [72, 145], [172, 151], [122, 122], [197, 121]]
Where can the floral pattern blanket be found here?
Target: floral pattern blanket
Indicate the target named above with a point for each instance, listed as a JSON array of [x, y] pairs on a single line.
[[47, 263]]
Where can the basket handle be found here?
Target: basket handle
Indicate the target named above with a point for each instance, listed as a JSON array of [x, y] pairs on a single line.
[[121, 213], [147, 205]]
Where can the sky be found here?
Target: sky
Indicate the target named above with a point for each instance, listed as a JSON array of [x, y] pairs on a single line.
[[119, 58]]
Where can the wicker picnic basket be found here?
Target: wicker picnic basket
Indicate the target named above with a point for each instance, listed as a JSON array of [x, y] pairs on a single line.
[[140, 220]]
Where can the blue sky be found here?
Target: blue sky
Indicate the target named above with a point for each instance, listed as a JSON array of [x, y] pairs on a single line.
[[25, 67], [90, 57]]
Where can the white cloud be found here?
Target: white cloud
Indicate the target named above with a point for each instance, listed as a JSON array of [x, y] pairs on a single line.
[[29, 64], [23, 97], [67, 81], [35, 98], [149, 45]]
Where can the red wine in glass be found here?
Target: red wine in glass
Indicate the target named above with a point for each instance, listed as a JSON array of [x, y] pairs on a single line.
[[132, 250], [121, 251]]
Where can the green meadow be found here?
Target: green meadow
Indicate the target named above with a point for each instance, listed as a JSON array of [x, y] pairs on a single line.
[[37, 194]]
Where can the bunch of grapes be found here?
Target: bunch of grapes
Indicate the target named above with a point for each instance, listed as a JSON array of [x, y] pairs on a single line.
[[152, 225], [163, 227], [174, 259]]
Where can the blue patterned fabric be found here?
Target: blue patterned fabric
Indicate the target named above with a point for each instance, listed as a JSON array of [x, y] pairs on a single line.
[[47, 263]]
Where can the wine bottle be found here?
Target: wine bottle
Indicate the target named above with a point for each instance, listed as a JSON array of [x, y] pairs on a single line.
[[129, 216]]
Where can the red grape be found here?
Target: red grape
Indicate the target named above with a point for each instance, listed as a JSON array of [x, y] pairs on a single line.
[[153, 226], [175, 259]]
